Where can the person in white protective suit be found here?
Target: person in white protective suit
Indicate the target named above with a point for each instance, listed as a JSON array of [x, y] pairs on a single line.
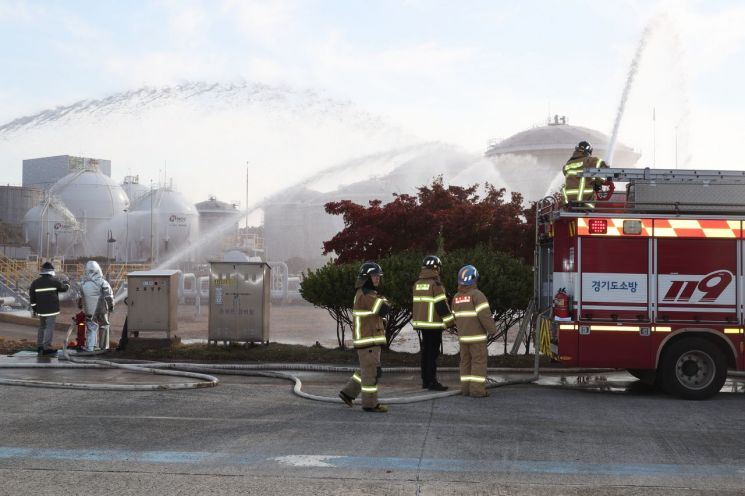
[[97, 301]]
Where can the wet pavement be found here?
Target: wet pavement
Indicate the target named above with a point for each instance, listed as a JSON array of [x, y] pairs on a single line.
[[400, 382], [572, 434]]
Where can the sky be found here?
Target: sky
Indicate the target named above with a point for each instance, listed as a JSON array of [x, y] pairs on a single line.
[[463, 72]]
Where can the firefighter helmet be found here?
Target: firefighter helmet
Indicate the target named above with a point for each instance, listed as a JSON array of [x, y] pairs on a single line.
[[584, 147], [432, 262], [468, 275], [368, 269], [47, 268]]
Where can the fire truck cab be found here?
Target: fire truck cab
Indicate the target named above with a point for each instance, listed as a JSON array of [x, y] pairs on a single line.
[[654, 278]]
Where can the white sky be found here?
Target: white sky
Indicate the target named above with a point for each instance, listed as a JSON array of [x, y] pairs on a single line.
[[462, 72]]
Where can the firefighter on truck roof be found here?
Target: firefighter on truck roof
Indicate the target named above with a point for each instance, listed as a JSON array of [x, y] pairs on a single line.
[[369, 335], [581, 189], [430, 315], [473, 317]]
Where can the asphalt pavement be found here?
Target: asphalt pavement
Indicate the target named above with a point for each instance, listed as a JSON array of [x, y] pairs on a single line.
[[572, 435]]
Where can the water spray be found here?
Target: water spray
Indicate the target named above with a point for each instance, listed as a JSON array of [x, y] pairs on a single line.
[[220, 228], [633, 69]]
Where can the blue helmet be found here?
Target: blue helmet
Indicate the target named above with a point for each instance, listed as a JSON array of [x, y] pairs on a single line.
[[468, 275]]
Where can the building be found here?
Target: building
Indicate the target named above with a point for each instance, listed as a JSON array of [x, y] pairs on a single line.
[[15, 201], [43, 173], [531, 161]]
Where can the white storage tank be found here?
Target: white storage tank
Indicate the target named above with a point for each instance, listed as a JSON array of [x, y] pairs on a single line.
[[168, 216], [214, 213], [94, 199], [134, 190], [52, 230]]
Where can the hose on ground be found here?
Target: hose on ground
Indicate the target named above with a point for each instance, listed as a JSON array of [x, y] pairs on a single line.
[[203, 380]]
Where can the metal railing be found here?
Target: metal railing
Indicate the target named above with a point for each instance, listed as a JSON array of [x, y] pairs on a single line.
[[16, 276]]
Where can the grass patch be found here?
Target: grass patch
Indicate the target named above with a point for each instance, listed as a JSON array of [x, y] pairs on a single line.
[[161, 350], [293, 353], [10, 346]]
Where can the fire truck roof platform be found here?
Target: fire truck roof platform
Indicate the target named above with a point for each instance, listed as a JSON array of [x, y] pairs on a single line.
[[668, 175], [669, 192]]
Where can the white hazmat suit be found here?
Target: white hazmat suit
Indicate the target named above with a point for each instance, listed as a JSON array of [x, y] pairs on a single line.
[[98, 300]]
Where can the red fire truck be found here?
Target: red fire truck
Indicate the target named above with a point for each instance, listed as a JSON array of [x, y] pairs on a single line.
[[654, 278]]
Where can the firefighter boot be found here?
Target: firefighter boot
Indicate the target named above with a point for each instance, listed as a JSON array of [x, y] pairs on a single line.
[[346, 399], [379, 408]]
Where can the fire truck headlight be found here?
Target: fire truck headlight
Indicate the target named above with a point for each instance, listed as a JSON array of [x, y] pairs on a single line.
[[632, 227]]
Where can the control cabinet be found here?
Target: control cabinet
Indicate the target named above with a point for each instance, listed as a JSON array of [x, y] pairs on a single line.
[[152, 301], [239, 301]]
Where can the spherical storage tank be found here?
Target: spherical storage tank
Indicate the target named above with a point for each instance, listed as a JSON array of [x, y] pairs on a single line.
[[167, 215], [94, 199], [52, 230]]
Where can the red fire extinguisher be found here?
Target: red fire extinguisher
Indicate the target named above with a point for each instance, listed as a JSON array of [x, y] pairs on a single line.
[[561, 304], [80, 325]]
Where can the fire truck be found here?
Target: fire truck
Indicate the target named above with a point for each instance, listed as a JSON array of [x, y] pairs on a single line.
[[650, 279]]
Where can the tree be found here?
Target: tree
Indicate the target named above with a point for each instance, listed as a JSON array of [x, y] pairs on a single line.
[[505, 280], [459, 216], [331, 288]]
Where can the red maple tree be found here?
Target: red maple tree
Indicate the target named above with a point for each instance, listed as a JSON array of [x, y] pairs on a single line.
[[464, 217]]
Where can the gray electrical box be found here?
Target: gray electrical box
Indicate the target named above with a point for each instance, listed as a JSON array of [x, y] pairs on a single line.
[[152, 301], [239, 301]]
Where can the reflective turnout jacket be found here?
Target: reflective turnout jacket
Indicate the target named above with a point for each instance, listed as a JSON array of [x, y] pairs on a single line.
[[43, 295], [430, 309], [580, 188], [472, 315], [368, 312]]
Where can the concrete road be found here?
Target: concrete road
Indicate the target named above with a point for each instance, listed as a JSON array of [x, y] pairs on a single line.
[[599, 435]]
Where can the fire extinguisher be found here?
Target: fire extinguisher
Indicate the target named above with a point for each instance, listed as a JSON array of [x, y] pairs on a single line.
[[80, 325], [561, 304]]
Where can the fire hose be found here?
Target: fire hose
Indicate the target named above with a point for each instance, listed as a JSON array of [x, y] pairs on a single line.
[[205, 378], [203, 372]]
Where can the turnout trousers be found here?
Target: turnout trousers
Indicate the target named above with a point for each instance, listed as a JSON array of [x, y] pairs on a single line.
[[473, 369], [365, 380], [431, 342]]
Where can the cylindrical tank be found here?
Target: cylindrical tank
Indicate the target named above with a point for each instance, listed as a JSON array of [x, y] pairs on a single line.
[[163, 215], [94, 199], [213, 213], [134, 190]]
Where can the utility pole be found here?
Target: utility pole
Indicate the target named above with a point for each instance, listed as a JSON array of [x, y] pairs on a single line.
[[126, 238], [676, 146], [245, 207], [152, 247], [654, 137]]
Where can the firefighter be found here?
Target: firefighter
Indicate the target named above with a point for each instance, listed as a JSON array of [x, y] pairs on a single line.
[[368, 312], [97, 301], [581, 189], [430, 315], [44, 298], [473, 318]]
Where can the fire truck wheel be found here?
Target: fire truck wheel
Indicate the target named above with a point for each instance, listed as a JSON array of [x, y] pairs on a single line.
[[693, 369]]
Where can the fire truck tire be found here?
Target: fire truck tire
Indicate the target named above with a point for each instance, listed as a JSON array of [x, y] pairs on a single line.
[[693, 369]]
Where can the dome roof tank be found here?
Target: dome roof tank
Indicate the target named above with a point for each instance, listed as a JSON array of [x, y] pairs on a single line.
[[94, 199]]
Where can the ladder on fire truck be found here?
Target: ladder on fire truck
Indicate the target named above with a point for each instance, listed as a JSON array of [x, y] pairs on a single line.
[[669, 190], [667, 175]]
